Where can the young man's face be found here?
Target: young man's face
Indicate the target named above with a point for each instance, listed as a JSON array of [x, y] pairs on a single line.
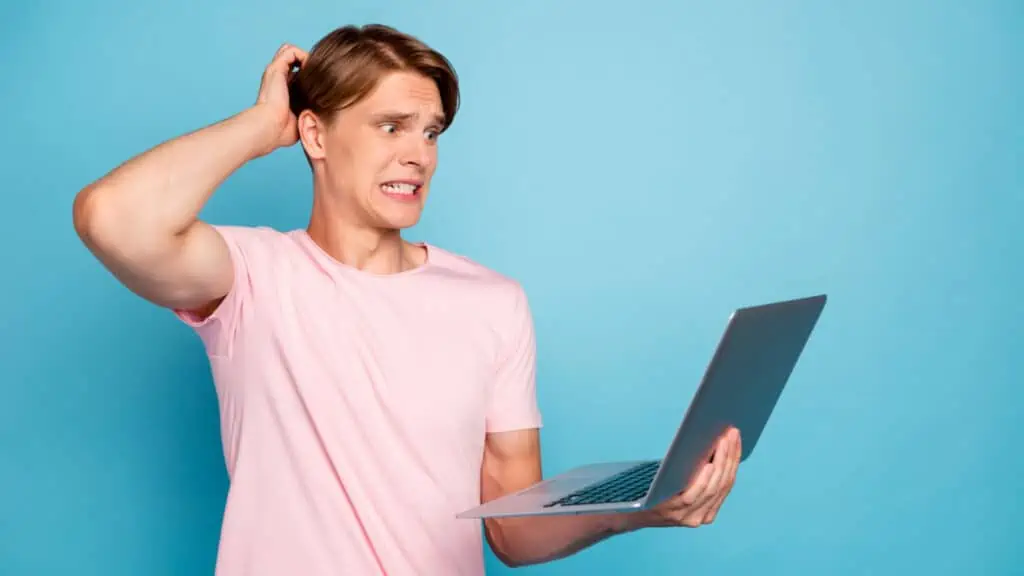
[[380, 154]]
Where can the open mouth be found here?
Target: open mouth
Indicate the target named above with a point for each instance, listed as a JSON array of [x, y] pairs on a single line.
[[401, 190]]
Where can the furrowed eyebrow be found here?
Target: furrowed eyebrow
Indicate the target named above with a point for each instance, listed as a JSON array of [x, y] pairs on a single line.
[[401, 117]]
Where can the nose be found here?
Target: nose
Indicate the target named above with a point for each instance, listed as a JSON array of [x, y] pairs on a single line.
[[416, 152]]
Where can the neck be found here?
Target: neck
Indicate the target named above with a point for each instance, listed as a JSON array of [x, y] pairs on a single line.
[[373, 250]]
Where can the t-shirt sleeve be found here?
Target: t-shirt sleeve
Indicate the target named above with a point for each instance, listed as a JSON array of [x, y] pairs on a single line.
[[513, 403], [217, 330]]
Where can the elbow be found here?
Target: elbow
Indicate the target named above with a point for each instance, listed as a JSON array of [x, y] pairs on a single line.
[[503, 548], [513, 563], [510, 560], [87, 214], [93, 219], [105, 227], [97, 217]]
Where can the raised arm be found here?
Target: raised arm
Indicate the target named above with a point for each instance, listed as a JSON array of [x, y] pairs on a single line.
[[141, 219]]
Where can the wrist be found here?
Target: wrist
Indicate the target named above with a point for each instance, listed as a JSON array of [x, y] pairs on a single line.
[[628, 522], [260, 128]]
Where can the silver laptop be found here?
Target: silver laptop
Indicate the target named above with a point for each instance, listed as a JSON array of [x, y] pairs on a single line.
[[742, 383]]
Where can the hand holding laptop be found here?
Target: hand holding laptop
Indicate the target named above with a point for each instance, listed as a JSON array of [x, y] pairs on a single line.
[[688, 484], [700, 502]]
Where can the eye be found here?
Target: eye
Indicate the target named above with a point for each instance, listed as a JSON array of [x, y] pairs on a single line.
[[389, 128], [432, 135]]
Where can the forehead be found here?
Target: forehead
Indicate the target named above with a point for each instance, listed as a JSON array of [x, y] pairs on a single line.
[[404, 92]]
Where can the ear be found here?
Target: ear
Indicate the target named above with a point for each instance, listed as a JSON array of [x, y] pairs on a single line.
[[312, 134]]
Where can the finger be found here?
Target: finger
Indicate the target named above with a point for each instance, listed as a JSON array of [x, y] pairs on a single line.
[[288, 56], [700, 489], [700, 492], [295, 55], [729, 480], [691, 520], [711, 512], [286, 47], [719, 476], [696, 488], [732, 439], [723, 456], [698, 514]]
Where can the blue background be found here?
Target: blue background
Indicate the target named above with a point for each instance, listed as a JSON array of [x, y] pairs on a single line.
[[642, 169]]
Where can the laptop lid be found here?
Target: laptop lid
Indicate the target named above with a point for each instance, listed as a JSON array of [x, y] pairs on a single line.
[[741, 386]]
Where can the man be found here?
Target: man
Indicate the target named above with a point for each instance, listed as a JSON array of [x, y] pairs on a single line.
[[370, 387]]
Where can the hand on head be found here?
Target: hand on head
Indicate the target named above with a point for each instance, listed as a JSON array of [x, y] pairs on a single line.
[[273, 95]]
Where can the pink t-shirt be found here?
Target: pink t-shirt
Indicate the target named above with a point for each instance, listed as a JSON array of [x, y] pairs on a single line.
[[354, 407]]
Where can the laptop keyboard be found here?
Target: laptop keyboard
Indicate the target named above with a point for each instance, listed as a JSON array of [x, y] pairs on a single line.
[[626, 486]]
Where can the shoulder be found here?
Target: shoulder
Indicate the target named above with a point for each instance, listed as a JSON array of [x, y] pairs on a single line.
[[255, 245], [253, 236], [496, 295], [474, 275]]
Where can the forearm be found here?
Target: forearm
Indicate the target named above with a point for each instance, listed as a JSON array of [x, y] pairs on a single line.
[[538, 539], [157, 195]]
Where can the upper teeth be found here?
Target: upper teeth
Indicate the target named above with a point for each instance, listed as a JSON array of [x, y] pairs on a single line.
[[400, 188]]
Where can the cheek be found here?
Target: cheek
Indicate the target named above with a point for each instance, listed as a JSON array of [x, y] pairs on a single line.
[[367, 165], [378, 157]]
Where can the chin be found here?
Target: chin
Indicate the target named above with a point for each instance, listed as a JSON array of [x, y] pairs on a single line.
[[402, 223], [393, 219], [399, 213]]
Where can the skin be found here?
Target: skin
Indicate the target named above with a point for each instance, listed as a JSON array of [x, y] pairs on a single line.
[[141, 222]]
